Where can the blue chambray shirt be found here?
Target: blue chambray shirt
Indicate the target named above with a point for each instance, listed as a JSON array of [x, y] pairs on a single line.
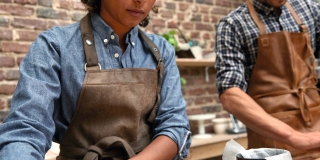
[[236, 39], [51, 77]]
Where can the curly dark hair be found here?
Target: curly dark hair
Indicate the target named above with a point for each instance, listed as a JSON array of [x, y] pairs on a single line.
[[93, 6]]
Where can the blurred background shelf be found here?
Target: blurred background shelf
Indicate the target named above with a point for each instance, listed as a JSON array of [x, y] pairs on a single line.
[[192, 62]]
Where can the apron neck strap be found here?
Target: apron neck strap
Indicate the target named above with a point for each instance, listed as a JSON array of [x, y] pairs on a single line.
[[88, 42], [90, 51], [261, 26]]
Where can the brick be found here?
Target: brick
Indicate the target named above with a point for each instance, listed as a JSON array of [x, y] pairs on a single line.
[[7, 89], [5, 34], [46, 3], [183, 6], [6, 62], [212, 108], [210, 2], [212, 90], [206, 18], [77, 16], [167, 14], [188, 25], [172, 24], [9, 102], [193, 111], [24, 35], [203, 100], [217, 99], [180, 16], [195, 35], [190, 101], [1, 76], [158, 22], [221, 11], [2, 105], [52, 14], [198, 91], [204, 27], [17, 10], [57, 23], [65, 4], [14, 47], [79, 6], [194, 127], [212, 44], [29, 23], [31, 2], [4, 22], [207, 36], [5, 1], [196, 18], [214, 19], [12, 75], [170, 6], [237, 4], [19, 59], [3, 114], [204, 9], [224, 3]]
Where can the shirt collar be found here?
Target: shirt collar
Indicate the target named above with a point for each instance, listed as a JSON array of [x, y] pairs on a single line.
[[263, 8], [106, 32]]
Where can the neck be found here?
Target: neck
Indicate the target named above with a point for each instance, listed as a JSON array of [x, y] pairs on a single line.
[[277, 11], [122, 37]]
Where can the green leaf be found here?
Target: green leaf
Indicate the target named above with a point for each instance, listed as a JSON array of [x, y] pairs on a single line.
[[183, 81]]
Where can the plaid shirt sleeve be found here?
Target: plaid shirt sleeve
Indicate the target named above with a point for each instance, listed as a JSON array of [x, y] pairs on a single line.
[[230, 57]]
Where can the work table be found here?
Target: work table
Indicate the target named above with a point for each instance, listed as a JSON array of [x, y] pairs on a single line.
[[201, 148], [213, 146]]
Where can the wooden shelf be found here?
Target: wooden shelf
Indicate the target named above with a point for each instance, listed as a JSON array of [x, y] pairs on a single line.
[[191, 62]]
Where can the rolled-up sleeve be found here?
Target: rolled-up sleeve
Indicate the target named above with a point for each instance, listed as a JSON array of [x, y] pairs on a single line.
[[172, 119], [230, 58]]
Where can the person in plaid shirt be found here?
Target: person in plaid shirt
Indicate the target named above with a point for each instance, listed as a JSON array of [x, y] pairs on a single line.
[[265, 60]]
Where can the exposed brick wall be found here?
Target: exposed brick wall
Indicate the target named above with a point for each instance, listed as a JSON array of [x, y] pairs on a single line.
[[22, 20]]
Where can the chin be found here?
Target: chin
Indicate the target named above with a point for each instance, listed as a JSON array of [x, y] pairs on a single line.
[[281, 3]]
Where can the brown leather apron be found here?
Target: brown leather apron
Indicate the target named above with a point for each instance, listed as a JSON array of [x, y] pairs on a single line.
[[116, 107], [283, 83]]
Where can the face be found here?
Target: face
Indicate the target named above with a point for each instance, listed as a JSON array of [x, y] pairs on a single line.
[[125, 13], [275, 3]]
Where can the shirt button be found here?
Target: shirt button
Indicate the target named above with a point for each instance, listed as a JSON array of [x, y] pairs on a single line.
[[112, 36], [116, 55], [105, 41], [132, 43]]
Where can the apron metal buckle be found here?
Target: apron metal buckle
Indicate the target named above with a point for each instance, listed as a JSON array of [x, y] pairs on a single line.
[[159, 62], [85, 67]]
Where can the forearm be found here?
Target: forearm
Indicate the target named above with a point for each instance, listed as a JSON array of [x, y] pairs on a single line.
[[242, 106], [160, 148], [19, 151]]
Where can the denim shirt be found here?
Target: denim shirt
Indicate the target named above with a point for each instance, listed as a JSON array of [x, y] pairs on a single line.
[[51, 78]]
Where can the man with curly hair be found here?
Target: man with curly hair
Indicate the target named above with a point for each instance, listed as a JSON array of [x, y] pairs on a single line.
[[101, 88]]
